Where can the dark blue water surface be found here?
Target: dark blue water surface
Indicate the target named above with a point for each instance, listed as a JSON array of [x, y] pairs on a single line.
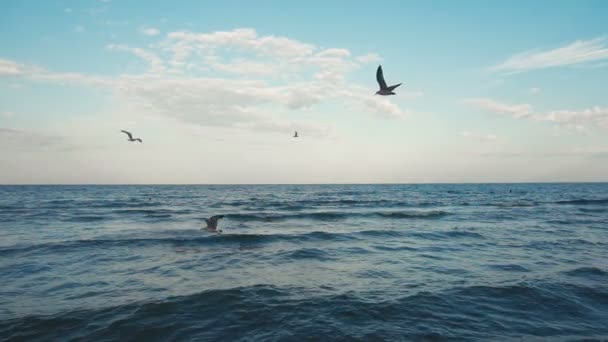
[[303, 262]]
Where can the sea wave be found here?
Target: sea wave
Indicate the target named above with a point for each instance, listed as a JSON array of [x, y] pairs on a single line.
[[86, 218], [443, 235], [96, 204], [390, 262], [156, 214], [208, 239], [337, 215], [593, 210], [583, 201], [229, 238], [509, 268], [573, 245], [320, 202], [587, 272], [265, 312], [150, 211], [514, 204], [306, 253]]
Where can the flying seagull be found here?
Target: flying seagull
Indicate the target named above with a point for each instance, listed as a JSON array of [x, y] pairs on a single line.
[[131, 136], [295, 135], [384, 90], [212, 224]]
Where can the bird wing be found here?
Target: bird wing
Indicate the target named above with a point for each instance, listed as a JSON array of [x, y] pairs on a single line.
[[380, 77], [391, 88], [127, 133], [212, 221], [138, 139]]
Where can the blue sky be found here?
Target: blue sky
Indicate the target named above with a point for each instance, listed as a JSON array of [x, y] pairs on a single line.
[[492, 92]]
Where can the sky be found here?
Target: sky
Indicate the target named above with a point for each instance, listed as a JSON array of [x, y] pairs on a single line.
[[510, 91]]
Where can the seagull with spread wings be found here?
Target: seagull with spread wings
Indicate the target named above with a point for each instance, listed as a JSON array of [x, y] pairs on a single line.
[[131, 136], [384, 90], [212, 224]]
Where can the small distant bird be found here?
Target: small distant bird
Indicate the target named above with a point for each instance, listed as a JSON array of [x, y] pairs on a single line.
[[212, 224], [384, 90], [295, 135], [131, 136]]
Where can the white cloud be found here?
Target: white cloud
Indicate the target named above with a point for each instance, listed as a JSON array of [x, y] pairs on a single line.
[[190, 79], [578, 52], [245, 39], [6, 114], [517, 110], [149, 31], [479, 136], [68, 78], [285, 56], [239, 103], [272, 56], [243, 67], [369, 58], [156, 64], [269, 57], [337, 53], [9, 67], [384, 107], [361, 98], [534, 91], [578, 120]]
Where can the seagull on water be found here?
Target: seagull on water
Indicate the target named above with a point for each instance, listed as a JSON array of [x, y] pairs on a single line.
[[295, 135], [212, 224], [384, 90], [131, 136]]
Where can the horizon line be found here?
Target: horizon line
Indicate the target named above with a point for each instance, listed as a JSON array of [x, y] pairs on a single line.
[[272, 184]]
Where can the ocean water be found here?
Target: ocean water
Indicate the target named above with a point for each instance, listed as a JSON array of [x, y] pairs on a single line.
[[304, 262]]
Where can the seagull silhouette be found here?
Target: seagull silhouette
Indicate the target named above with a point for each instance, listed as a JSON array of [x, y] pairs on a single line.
[[295, 134], [212, 224], [131, 136], [384, 90]]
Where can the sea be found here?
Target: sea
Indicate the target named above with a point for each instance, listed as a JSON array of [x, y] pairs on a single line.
[[418, 262]]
